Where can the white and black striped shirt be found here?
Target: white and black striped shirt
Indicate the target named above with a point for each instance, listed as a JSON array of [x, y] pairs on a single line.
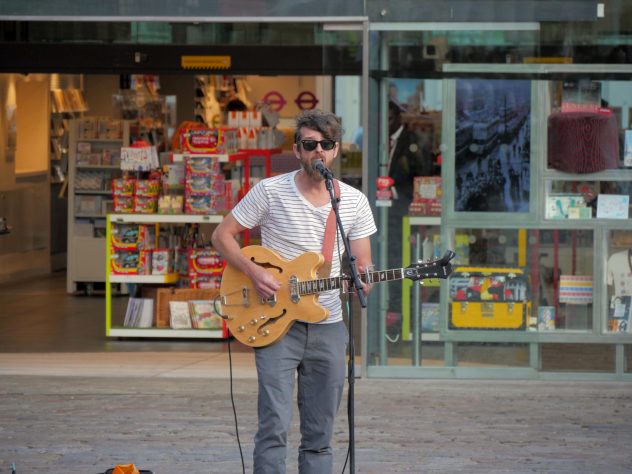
[[291, 225]]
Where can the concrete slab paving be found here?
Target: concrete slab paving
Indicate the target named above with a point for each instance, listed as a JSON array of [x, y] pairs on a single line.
[[84, 424]]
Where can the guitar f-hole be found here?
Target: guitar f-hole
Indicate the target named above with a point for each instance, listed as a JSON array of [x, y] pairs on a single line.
[[266, 265], [264, 329]]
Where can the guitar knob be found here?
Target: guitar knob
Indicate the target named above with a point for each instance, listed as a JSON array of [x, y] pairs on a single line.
[[241, 328], [262, 317], [265, 333], [253, 322], [251, 339]]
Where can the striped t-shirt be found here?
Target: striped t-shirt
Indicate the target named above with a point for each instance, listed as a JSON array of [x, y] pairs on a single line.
[[291, 225]]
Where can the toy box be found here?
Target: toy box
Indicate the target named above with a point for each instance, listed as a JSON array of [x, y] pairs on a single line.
[[200, 184], [131, 262], [426, 196], [202, 165], [489, 298], [204, 261], [161, 261], [123, 204], [209, 141], [133, 237]]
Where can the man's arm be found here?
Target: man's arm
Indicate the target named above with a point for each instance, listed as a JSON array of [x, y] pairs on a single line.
[[361, 250], [224, 241]]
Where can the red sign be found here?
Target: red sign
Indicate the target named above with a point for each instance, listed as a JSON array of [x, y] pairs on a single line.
[[306, 101], [384, 182], [275, 100]]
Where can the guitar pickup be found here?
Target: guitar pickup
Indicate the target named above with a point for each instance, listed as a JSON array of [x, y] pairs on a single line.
[[245, 299]]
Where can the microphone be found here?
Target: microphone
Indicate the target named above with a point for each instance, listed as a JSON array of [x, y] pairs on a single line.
[[319, 166]]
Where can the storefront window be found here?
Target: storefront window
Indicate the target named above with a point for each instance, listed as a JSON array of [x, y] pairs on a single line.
[[619, 281], [511, 279], [262, 34]]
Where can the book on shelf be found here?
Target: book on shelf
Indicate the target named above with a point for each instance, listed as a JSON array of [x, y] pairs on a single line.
[[546, 318], [140, 313], [203, 315], [620, 313], [179, 317], [627, 149]]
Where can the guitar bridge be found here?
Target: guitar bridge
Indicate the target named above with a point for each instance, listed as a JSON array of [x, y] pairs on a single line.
[[271, 301], [245, 300]]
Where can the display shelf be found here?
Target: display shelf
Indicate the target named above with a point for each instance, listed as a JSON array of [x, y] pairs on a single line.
[[167, 333], [166, 218], [168, 279], [80, 245], [621, 174], [424, 220], [97, 167], [99, 140], [155, 279], [407, 286], [222, 158], [94, 191], [90, 216]]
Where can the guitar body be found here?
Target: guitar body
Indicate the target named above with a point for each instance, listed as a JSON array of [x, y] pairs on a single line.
[[257, 322]]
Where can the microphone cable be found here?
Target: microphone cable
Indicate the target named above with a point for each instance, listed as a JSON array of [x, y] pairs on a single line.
[[232, 401], [230, 378]]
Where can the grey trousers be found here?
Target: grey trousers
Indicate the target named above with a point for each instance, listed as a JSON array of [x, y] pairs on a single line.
[[317, 353]]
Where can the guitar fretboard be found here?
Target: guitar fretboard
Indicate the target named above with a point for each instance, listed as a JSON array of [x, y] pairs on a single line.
[[309, 287]]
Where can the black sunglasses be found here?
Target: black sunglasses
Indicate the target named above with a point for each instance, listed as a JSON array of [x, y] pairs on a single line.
[[310, 145]]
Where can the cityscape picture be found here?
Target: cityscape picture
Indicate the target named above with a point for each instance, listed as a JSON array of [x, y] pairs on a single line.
[[492, 145]]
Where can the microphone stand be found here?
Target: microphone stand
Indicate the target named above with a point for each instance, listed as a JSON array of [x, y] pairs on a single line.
[[357, 283]]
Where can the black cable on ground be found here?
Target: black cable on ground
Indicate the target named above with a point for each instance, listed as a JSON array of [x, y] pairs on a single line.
[[232, 400]]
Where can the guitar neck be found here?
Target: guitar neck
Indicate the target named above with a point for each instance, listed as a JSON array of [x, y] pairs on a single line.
[[310, 287]]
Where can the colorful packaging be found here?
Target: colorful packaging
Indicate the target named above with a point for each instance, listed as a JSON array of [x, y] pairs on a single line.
[[145, 205], [199, 184], [161, 262], [133, 237], [123, 187], [209, 140], [123, 204], [131, 262], [170, 204], [205, 282], [202, 165], [204, 261], [199, 204], [147, 187]]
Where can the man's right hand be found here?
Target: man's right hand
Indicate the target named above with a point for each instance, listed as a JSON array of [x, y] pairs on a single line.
[[265, 284]]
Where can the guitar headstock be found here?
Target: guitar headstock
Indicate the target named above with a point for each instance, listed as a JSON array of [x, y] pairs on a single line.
[[439, 268]]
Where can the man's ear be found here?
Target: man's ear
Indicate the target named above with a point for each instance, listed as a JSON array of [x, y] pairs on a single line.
[[296, 152]]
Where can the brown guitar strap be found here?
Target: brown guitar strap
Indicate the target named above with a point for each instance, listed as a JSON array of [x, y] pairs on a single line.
[[328, 241]]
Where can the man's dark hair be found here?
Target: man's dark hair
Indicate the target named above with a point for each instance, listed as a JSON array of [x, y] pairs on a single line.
[[325, 122]]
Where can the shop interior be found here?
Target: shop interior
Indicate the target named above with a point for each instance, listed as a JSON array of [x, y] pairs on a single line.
[[500, 191]]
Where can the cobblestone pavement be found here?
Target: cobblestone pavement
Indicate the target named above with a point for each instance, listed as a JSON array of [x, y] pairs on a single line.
[[185, 425]]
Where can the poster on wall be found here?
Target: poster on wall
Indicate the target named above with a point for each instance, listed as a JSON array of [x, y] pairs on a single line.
[[12, 125], [492, 145]]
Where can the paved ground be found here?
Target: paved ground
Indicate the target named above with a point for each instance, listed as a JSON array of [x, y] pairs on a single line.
[[79, 424], [74, 402]]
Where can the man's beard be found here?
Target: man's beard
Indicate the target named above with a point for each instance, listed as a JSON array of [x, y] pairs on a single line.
[[311, 172]]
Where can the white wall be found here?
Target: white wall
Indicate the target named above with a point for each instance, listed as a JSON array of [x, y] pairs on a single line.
[[25, 198]]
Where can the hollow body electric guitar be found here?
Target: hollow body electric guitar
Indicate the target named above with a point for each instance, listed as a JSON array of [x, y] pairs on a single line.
[[258, 322]]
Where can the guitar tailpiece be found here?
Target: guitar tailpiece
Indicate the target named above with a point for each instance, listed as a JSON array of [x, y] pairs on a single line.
[[217, 302]]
